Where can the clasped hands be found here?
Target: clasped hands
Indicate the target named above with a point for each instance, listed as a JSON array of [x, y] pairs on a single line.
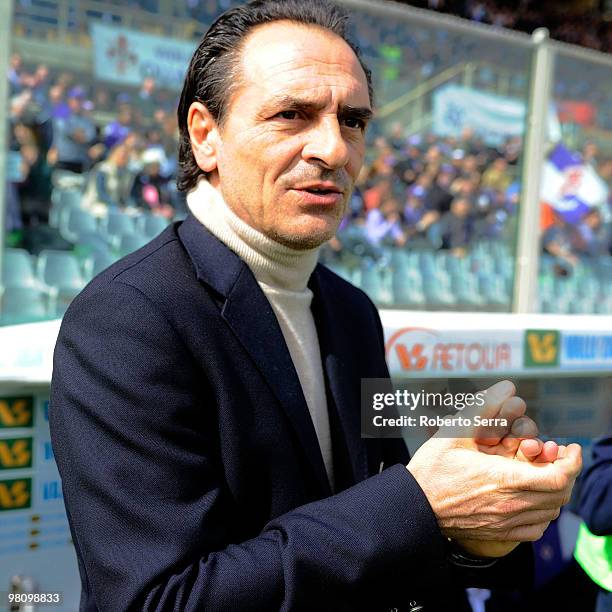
[[500, 487]]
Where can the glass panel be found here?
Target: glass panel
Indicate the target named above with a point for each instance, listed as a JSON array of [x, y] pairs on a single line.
[[432, 223], [575, 273], [92, 152]]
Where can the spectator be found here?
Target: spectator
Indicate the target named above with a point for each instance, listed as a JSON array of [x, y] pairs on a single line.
[[439, 197], [497, 176], [592, 236], [150, 190], [383, 224], [118, 130], [559, 240], [15, 75], [456, 227], [73, 136], [146, 99], [110, 183]]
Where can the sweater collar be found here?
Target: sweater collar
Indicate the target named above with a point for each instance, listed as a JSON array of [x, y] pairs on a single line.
[[272, 263]]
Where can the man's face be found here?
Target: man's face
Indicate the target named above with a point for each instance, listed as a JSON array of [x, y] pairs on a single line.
[[295, 124]]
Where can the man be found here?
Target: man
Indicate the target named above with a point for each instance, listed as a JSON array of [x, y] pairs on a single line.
[[73, 135], [594, 546], [204, 403]]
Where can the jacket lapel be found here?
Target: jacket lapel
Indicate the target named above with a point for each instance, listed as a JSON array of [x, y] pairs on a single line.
[[342, 373], [249, 314]]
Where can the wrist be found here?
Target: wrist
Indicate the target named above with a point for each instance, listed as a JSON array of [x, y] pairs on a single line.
[[459, 556]]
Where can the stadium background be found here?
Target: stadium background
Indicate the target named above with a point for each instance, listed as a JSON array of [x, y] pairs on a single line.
[[486, 193]]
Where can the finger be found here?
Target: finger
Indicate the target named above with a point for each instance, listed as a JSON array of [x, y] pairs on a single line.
[[510, 410], [558, 476], [494, 397], [524, 427], [526, 533], [528, 450], [562, 450], [549, 452], [532, 517], [571, 461]]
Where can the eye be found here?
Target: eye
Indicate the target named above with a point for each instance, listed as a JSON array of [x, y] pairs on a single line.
[[354, 123], [287, 114]]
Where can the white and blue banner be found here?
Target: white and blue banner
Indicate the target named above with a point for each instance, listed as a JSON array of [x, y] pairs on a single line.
[[492, 117], [570, 186], [127, 56]]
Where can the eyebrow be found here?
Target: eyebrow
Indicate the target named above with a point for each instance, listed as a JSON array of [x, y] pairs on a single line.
[[292, 103]]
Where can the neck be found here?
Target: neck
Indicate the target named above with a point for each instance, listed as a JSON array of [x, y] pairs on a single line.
[[272, 263]]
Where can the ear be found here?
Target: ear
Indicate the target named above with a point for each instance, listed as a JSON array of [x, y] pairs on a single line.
[[204, 136]]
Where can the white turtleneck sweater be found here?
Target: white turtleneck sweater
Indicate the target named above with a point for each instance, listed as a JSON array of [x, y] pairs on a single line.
[[282, 273]]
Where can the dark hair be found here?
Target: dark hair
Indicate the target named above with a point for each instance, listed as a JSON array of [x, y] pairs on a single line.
[[213, 70]]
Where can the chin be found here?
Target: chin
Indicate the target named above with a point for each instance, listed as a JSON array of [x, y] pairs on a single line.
[[302, 239]]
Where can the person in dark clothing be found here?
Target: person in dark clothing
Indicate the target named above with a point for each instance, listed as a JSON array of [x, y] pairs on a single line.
[[216, 374], [594, 548]]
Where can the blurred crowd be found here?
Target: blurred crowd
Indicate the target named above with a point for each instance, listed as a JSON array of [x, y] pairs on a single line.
[[587, 27], [414, 190], [432, 192], [60, 127], [584, 25]]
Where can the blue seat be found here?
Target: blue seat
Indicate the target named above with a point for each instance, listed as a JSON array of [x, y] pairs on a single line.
[[63, 199], [91, 242], [340, 269], [465, 288], [151, 225], [17, 269], [407, 286], [75, 222], [128, 243], [24, 304], [118, 224], [427, 263], [61, 270], [97, 262], [371, 280], [438, 292]]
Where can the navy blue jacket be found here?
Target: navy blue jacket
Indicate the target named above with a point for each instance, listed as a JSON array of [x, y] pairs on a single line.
[[596, 489], [191, 471]]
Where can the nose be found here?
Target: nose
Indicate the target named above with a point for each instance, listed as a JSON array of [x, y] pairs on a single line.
[[326, 145]]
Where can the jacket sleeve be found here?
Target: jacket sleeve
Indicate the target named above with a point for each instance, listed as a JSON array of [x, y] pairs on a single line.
[[514, 571], [596, 491], [145, 492]]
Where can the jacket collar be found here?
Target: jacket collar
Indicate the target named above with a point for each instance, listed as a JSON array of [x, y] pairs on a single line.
[[251, 318], [249, 314]]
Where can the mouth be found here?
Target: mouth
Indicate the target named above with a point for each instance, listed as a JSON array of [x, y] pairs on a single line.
[[319, 196]]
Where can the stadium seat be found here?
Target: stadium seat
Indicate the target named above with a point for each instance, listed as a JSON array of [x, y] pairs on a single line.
[[128, 243], [371, 281], [494, 291], [340, 269], [151, 225], [427, 263], [18, 269], [118, 224], [465, 288], [60, 269], [437, 289], [91, 242], [62, 200], [74, 222], [407, 288], [97, 262], [23, 305]]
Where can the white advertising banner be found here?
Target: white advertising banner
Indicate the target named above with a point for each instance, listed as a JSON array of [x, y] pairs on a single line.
[[493, 117], [127, 56]]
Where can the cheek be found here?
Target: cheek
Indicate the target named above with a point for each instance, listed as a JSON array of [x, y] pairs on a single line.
[[356, 159]]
